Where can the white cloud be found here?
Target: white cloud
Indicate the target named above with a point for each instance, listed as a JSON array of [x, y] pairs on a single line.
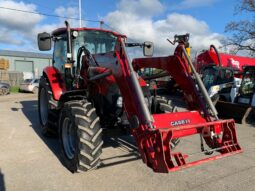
[[16, 20], [8, 37], [20, 29], [70, 12], [134, 18], [140, 28], [15, 26], [143, 8]]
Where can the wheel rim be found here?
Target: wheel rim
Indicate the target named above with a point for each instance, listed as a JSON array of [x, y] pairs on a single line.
[[68, 138], [43, 106]]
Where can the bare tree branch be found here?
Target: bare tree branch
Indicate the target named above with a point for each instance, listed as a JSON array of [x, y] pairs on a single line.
[[243, 31]]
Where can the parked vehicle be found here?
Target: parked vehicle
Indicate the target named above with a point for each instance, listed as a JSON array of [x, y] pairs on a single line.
[[231, 70], [30, 85], [218, 81], [4, 88], [242, 108]]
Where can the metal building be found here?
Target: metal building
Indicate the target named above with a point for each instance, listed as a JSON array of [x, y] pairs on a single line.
[[26, 61]]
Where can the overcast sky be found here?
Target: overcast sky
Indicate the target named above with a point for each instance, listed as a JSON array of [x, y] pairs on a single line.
[[141, 20]]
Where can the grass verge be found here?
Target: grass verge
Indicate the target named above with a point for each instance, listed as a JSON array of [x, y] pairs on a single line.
[[14, 89]]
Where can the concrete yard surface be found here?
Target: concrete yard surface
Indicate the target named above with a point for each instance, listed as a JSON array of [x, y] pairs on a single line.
[[29, 161]]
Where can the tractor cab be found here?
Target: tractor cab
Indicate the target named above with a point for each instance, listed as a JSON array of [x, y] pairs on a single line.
[[218, 81], [83, 57], [247, 89], [71, 44]]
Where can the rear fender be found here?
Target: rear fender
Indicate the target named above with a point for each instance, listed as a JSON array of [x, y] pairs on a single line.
[[56, 82], [73, 95]]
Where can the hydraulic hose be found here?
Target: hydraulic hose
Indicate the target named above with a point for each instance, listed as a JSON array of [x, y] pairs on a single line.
[[201, 85], [217, 53]]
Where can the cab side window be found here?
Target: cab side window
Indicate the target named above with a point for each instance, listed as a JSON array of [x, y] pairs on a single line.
[[60, 51]]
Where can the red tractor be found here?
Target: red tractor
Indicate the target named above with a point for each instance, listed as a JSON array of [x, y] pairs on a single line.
[[93, 85]]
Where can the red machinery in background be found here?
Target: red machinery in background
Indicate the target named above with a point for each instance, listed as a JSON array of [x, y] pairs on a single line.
[[223, 60], [224, 86]]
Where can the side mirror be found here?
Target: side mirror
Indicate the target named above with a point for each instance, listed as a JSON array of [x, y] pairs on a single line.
[[44, 41], [148, 49]]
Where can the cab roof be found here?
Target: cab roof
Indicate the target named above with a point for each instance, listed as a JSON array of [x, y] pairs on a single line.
[[63, 30]]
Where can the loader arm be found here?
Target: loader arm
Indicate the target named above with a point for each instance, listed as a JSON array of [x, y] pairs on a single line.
[[176, 67], [153, 133]]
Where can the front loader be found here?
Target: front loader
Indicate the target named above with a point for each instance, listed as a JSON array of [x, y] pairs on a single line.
[[93, 85]]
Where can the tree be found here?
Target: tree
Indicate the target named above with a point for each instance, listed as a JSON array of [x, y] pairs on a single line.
[[243, 31]]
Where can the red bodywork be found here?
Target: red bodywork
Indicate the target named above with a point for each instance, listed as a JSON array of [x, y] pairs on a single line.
[[228, 60], [153, 138], [56, 82]]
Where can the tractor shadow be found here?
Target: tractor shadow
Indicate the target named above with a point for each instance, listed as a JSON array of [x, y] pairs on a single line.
[[2, 184], [125, 144], [113, 140], [29, 109]]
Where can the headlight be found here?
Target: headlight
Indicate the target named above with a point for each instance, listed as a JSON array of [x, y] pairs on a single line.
[[213, 90], [120, 102]]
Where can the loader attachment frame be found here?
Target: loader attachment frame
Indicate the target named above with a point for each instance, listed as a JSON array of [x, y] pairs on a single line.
[[153, 133], [157, 153]]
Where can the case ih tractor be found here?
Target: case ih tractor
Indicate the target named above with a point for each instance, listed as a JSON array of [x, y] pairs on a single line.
[[93, 85]]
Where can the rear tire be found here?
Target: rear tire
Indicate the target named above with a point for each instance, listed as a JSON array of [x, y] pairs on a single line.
[[80, 136], [47, 109], [163, 105]]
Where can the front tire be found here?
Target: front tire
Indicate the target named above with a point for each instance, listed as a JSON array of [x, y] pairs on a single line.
[[47, 109], [80, 136]]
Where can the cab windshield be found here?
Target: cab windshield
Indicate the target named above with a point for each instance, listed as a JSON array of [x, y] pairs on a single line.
[[248, 83], [97, 42], [216, 76], [209, 77]]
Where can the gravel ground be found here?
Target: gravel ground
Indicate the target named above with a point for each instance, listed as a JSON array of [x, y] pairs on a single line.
[[29, 161]]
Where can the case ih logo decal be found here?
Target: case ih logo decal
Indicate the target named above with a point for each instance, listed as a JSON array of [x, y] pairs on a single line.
[[180, 122]]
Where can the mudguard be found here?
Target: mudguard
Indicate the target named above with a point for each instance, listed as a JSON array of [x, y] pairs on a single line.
[[56, 82]]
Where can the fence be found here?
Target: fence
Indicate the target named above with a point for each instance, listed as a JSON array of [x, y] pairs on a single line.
[[12, 78]]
